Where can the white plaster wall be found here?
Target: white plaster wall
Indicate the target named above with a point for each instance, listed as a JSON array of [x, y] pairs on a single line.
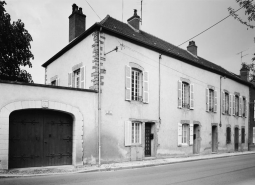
[[113, 99], [81, 52], [80, 104]]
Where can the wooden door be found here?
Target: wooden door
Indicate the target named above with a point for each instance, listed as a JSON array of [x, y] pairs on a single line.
[[36, 134], [236, 139], [147, 139], [214, 139], [196, 139]]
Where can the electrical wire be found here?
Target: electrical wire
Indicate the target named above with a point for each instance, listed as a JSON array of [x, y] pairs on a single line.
[[94, 10]]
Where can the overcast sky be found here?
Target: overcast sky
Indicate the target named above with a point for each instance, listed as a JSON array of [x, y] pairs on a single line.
[[172, 20]]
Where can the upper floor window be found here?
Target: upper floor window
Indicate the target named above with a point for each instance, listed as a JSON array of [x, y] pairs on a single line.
[[226, 103], [136, 84], [211, 100], [236, 105], [136, 92], [185, 95], [76, 78], [244, 110]]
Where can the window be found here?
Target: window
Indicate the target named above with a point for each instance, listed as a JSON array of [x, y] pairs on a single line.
[[76, 78], [228, 135], [185, 133], [136, 133], [227, 103], [137, 84], [185, 95], [244, 108], [136, 92], [133, 130], [211, 100], [243, 135], [54, 83], [236, 104]]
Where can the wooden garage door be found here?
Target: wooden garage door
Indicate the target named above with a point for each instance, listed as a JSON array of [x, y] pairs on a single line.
[[40, 138]]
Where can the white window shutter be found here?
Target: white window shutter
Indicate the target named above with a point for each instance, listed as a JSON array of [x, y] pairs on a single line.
[[223, 102], [230, 104], [240, 105], [128, 83], [179, 134], [191, 134], [73, 80], [191, 96], [215, 101], [179, 94], [140, 134], [146, 87], [83, 76], [246, 108], [207, 99], [234, 104], [70, 79], [128, 132]]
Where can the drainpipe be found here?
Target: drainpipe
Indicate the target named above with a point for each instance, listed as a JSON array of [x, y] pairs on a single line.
[[99, 101], [221, 98], [159, 89]]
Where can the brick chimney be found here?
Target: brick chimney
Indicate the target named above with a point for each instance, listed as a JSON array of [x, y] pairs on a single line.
[[134, 21], [244, 72], [192, 48], [77, 21]]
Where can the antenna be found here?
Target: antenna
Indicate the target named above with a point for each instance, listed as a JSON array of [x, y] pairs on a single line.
[[141, 11], [242, 54]]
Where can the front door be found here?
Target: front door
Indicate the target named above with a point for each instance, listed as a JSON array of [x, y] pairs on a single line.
[[236, 138], [39, 138], [147, 140], [196, 139], [214, 138]]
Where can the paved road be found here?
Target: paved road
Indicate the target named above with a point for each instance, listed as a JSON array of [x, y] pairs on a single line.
[[222, 171]]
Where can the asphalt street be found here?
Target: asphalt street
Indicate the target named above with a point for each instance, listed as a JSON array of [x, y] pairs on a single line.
[[229, 170]]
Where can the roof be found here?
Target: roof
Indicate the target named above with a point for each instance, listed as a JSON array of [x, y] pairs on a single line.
[[124, 31]]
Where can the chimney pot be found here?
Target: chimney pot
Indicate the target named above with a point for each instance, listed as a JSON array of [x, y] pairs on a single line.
[[244, 72], [192, 48]]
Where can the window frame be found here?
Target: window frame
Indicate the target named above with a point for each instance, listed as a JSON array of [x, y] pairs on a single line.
[[134, 87], [185, 134], [211, 100], [136, 134], [237, 104], [227, 103], [185, 95], [244, 107]]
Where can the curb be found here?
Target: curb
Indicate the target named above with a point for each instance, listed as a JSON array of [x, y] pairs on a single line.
[[209, 157]]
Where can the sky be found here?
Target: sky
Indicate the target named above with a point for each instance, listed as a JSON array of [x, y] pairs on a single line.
[[174, 21]]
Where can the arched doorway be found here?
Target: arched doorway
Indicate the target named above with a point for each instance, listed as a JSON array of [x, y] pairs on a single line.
[[40, 137]]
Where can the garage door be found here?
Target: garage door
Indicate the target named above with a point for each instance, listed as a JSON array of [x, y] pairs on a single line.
[[40, 138]]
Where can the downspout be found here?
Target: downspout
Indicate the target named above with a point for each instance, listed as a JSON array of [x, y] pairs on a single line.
[[99, 101], [159, 83]]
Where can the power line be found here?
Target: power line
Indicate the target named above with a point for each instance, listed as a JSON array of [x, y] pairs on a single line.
[[210, 27], [93, 10]]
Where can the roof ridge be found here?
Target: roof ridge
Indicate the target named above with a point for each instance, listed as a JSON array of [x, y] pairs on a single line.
[[105, 19]]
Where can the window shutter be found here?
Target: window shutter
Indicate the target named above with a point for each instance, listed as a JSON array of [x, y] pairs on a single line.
[[146, 87], [223, 102], [240, 106], [254, 134], [191, 134], [191, 96], [207, 99], [140, 134], [73, 80], [83, 72], [246, 107], [128, 130], [230, 104], [69, 79], [179, 134], [179, 94], [215, 101], [234, 104], [128, 83]]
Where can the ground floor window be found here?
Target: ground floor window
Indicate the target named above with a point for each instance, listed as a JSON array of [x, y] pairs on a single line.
[[136, 133], [243, 135], [185, 130], [228, 135]]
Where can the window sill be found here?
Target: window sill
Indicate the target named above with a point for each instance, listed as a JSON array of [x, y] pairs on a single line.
[[185, 144], [136, 145]]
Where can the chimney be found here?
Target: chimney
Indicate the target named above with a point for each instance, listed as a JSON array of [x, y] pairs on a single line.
[[244, 72], [134, 21], [77, 21], [192, 48]]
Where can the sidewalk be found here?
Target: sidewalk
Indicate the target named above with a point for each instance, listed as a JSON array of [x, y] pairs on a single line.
[[59, 170]]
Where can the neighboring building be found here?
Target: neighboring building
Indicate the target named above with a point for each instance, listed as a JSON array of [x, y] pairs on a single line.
[[156, 99]]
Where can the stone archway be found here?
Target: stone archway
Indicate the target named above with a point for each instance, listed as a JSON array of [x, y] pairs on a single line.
[[77, 151]]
